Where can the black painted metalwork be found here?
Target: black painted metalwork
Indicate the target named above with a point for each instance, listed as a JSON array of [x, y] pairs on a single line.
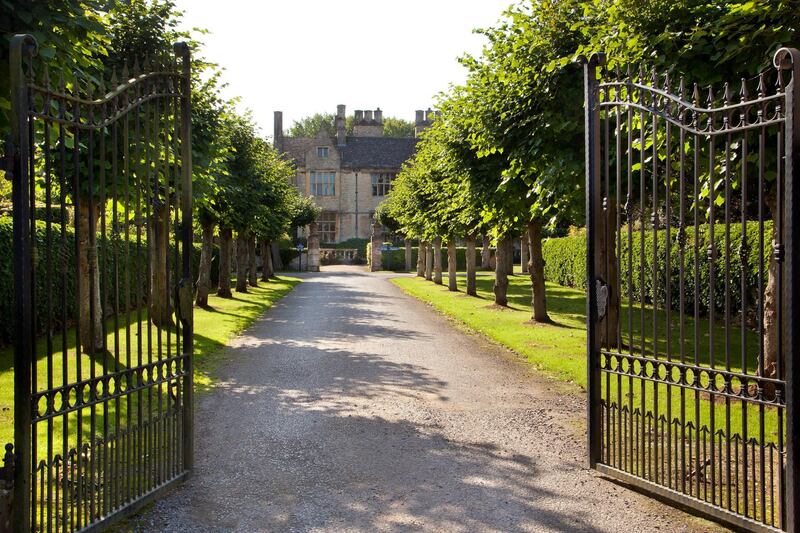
[[102, 242], [691, 210]]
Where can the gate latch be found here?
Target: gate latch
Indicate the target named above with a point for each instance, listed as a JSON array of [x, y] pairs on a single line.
[[601, 290], [184, 303]]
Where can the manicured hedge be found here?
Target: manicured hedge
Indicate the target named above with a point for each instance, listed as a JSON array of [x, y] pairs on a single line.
[[565, 264], [62, 266], [396, 259]]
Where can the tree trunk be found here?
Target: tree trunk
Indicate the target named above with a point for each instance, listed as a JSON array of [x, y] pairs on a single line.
[[510, 257], [225, 239], [524, 249], [277, 262], [501, 271], [90, 313], [471, 287], [536, 271], [407, 244], [252, 277], [428, 262], [421, 260], [241, 262], [158, 243], [486, 254], [266, 260], [206, 256], [451, 265], [770, 363], [437, 260]]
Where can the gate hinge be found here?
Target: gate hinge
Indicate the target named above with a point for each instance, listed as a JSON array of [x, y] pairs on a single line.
[[601, 292], [9, 156]]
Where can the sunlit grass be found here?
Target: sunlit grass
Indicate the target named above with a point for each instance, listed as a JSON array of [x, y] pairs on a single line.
[[214, 327], [559, 349]]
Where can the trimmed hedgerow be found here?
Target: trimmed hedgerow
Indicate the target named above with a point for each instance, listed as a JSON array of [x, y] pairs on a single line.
[[395, 259], [565, 264], [55, 270]]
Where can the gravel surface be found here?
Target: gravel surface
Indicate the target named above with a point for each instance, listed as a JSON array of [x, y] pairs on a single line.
[[352, 407]]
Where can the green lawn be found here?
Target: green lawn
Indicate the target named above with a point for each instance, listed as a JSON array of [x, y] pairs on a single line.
[[559, 349], [214, 328]]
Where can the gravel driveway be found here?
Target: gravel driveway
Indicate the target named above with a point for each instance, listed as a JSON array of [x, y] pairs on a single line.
[[352, 407]]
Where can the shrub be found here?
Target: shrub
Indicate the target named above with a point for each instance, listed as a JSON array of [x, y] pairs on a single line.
[[58, 260], [565, 264]]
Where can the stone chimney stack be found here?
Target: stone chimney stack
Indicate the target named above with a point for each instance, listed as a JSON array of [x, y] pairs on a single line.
[[277, 135], [368, 123], [341, 133], [423, 120]]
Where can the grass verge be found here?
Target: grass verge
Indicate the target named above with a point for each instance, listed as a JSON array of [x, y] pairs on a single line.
[[559, 349], [214, 328]]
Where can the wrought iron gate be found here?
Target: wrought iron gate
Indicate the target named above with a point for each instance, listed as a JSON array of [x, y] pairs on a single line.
[[102, 241], [692, 203]]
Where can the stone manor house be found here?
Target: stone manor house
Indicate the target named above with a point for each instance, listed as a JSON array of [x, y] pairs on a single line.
[[348, 176]]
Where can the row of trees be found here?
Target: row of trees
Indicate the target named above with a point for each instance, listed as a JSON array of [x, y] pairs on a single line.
[[505, 155], [241, 185]]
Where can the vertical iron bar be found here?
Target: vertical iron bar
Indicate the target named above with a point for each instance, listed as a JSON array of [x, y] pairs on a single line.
[[182, 51], [696, 321], [712, 258], [682, 286], [21, 48], [48, 184], [789, 59], [593, 211], [618, 242], [652, 459], [728, 138], [62, 149], [629, 452]]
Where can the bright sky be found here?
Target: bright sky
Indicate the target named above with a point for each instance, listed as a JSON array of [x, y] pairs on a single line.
[[307, 56]]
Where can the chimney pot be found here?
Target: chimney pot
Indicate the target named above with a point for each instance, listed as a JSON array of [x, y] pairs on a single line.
[[420, 116], [359, 115], [379, 116], [368, 114]]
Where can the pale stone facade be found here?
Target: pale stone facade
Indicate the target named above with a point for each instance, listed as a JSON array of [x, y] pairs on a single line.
[[348, 176]]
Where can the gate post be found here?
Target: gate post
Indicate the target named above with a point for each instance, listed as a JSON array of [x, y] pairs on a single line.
[[789, 59], [183, 53], [313, 247], [377, 247], [22, 48], [593, 212]]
